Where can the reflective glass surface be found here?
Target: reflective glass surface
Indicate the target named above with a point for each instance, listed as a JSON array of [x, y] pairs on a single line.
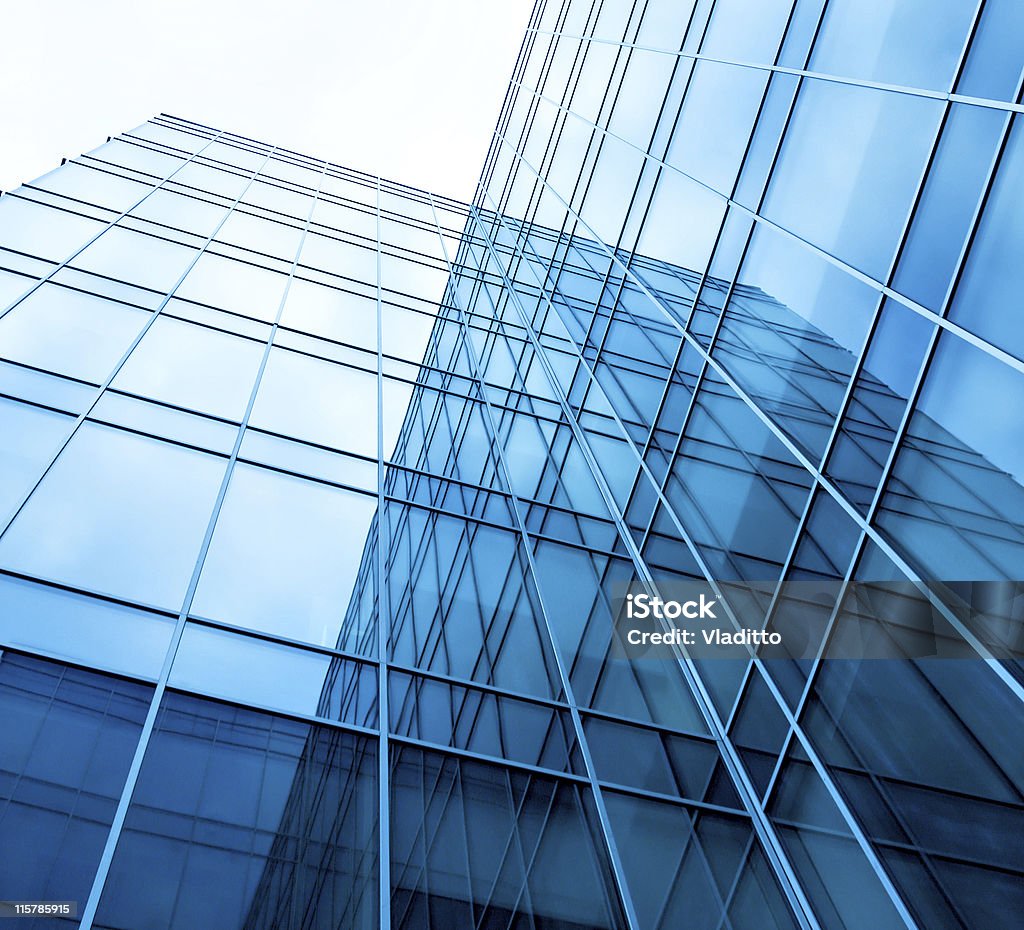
[[322, 496], [68, 740]]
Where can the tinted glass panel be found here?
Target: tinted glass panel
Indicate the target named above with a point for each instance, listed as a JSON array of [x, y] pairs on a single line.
[[246, 820], [65, 748]]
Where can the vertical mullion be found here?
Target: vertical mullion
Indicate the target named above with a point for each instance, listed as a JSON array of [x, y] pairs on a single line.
[[383, 629]]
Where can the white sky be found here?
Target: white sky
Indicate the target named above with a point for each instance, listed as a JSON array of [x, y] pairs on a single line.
[[408, 90]]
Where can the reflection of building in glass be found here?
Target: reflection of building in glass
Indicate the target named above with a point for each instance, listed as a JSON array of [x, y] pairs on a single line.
[[241, 428]]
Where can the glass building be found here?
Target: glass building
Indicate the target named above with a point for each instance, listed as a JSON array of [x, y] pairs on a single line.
[[321, 495]]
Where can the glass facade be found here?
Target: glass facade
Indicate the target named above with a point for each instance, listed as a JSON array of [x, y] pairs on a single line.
[[321, 493]]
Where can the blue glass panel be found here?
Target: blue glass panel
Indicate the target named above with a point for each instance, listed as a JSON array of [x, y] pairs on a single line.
[[234, 286], [833, 871], [278, 238], [955, 501], [331, 313], [994, 63], [791, 332], [715, 122], [697, 872], [355, 261], [85, 182], [405, 333], [147, 261], [70, 332], [741, 517], [180, 211], [164, 422], [948, 202], [993, 277], [878, 400], [945, 759], [31, 435], [284, 555], [194, 367], [272, 675], [911, 42], [118, 513], [82, 629], [239, 816], [319, 402], [462, 604], [577, 588], [65, 748], [497, 725], [838, 183], [43, 231], [12, 286], [513, 848], [746, 32], [665, 239]]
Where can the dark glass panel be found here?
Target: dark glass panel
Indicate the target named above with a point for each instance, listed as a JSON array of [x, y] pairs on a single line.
[[240, 819], [498, 725], [67, 741], [954, 503], [474, 845], [694, 869], [462, 603]]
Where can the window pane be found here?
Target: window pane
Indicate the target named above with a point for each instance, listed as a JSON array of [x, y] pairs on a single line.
[[138, 258], [12, 286], [280, 239], [340, 257], [84, 182], [82, 628], [28, 437], [43, 231], [993, 276], [912, 42], [319, 402], [726, 98], [194, 367], [237, 816], [413, 276], [664, 239], [838, 182], [70, 332], [461, 604], [234, 286], [332, 313], [405, 333], [746, 31], [181, 212], [955, 499], [65, 748], [285, 555], [993, 64], [255, 671], [943, 216], [791, 333], [681, 868], [118, 513], [559, 875]]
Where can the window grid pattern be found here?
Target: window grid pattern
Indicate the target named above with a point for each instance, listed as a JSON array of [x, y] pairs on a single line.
[[749, 212], [406, 452]]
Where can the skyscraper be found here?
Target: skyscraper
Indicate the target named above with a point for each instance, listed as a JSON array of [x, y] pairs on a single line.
[[292, 451]]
